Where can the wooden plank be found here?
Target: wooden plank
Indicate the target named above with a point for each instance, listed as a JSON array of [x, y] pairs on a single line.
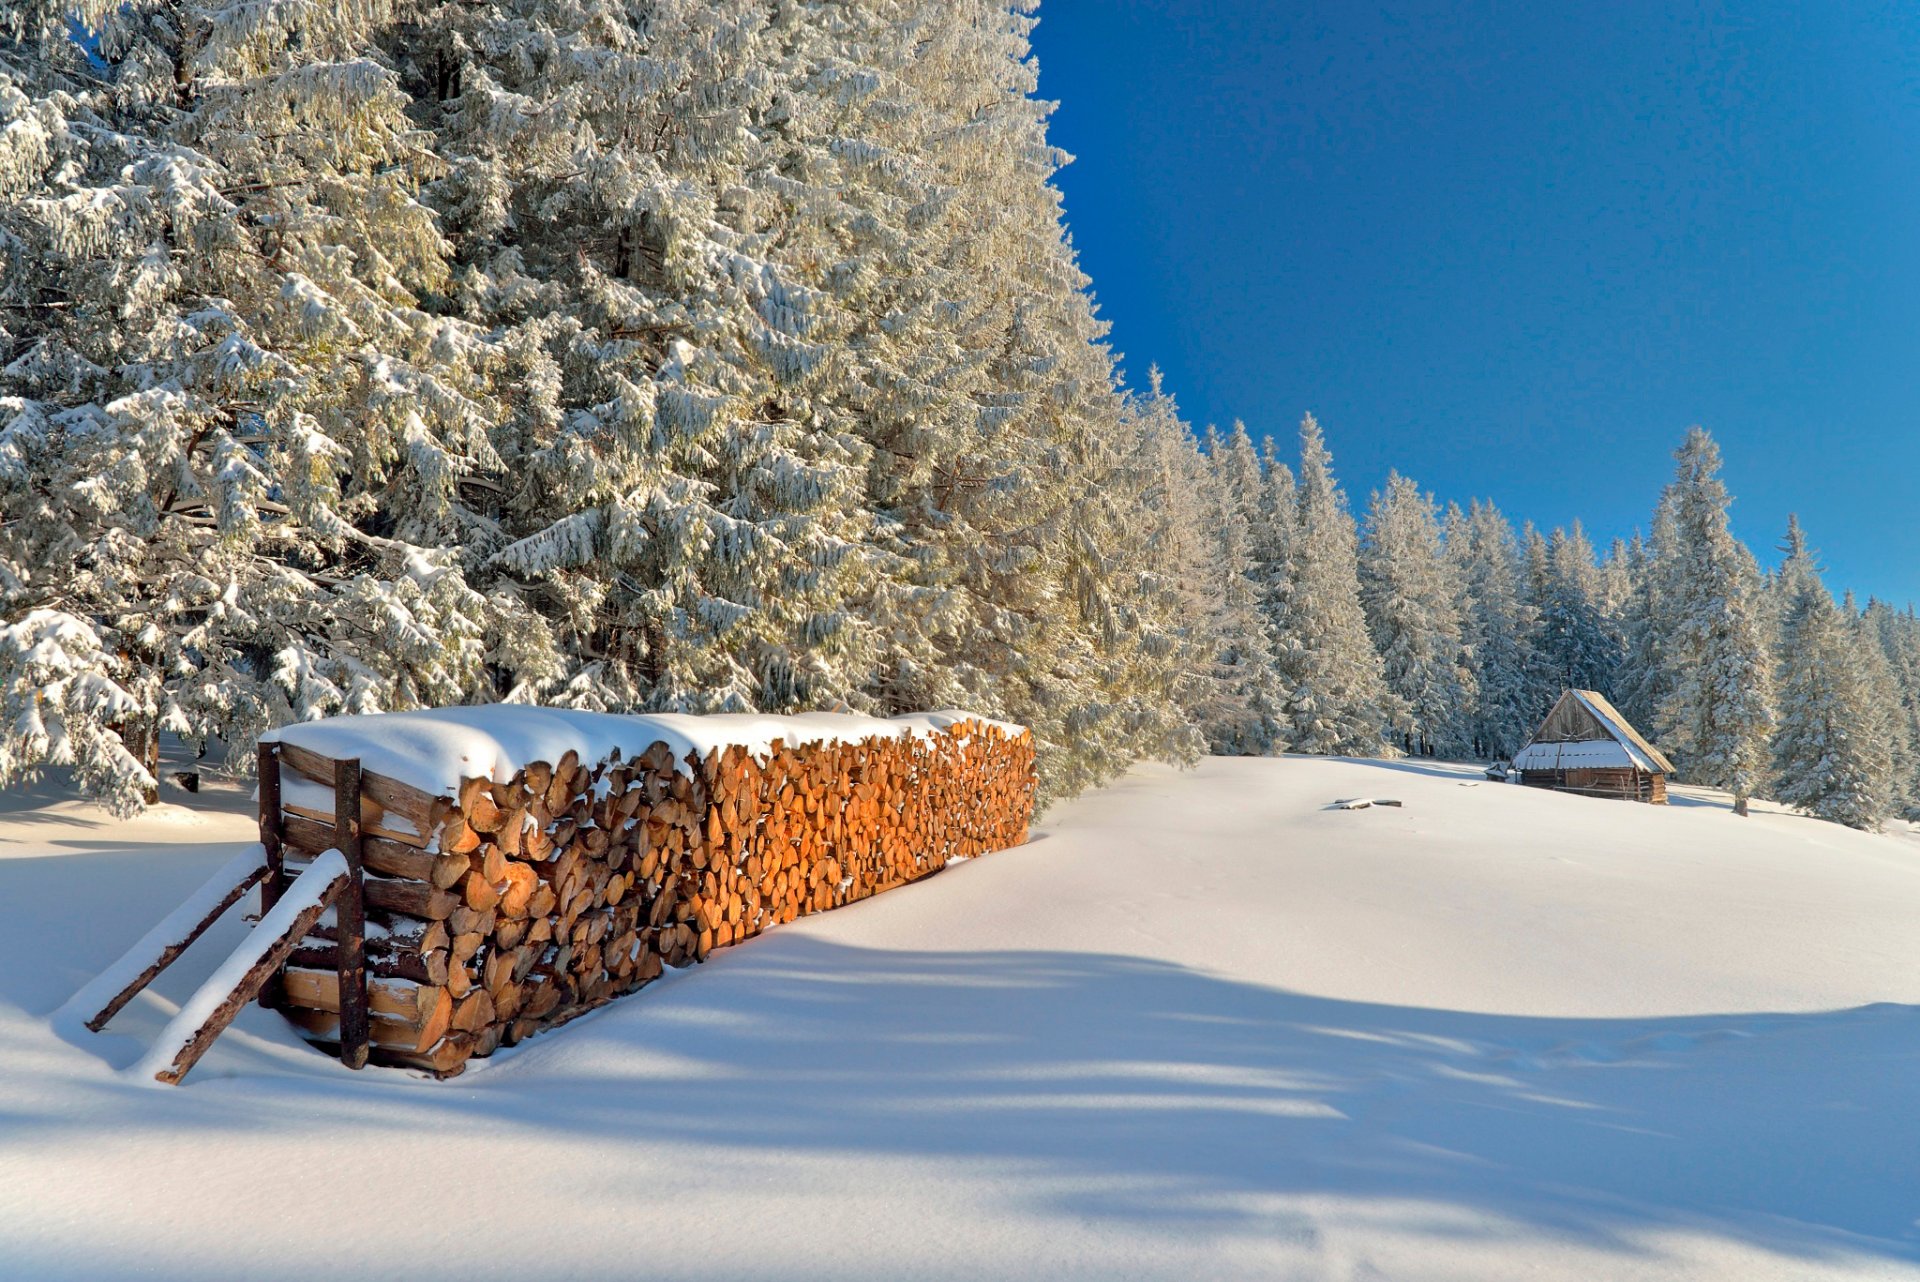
[[248, 987], [168, 955], [421, 968], [413, 898], [421, 809], [393, 998], [388, 858], [305, 762], [351, 917], [406, 1036], [370, 825]]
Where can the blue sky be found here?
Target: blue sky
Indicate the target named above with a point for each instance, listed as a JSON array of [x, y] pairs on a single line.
[[1515, 250]]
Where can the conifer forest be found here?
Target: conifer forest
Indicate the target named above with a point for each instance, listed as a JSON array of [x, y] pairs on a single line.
[[735, 356]]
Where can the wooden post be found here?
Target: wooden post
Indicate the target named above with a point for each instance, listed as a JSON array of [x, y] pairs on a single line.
[[351, 911], [274, 884], [270, 821]]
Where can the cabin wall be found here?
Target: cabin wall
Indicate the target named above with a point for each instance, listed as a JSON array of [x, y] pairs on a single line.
[[1619, 784]]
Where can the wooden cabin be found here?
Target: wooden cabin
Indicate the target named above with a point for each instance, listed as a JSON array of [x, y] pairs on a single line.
[[1586, 746]]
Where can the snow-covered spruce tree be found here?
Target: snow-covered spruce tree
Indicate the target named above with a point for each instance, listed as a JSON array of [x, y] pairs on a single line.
[[1886, 720], [1897, 634], [1571, 644], [1408, 592], [677, 488], [1546, 669], [1720, 710], [1243, 716], [1337, 702], [1644, 682], [1615, 590], [1275, 527], [1002, 449], [1175, 484], [1575, 629], [820, 408], [1832, 754], [233, 430], [1495, 625]]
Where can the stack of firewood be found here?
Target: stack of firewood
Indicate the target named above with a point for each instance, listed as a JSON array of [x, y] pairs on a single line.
[[512, 907]]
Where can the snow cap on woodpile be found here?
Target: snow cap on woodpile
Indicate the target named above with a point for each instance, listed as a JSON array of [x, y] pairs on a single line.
[[435, 749]]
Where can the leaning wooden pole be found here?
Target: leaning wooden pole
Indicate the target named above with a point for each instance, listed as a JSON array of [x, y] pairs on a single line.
[[350, 911]]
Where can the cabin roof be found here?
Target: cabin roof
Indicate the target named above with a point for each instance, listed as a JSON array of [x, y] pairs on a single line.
[[1617, 745]]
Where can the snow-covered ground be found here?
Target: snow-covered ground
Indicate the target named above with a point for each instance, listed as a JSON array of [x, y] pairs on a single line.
[[1202, 1027]]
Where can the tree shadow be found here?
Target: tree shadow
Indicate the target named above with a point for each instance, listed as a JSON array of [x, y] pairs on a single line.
[[1161, 1094]]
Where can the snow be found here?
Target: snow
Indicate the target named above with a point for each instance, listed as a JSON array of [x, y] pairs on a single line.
[[1201, 1027], [306, 891], [433, 750], [1582, 754]]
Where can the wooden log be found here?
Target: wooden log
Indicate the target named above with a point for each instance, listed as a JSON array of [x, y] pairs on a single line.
[[522, 885], [422, 809], [478, 893]]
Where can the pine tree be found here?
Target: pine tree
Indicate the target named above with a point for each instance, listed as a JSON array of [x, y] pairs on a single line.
[[1897, 636], [1644, 683], [1719, 712], [1337, 702], [1572, 642], [1245, 720], [231, 413], [1275, 529], [1412, 611], [1174, 493], [1495, 628], [1832, 755]]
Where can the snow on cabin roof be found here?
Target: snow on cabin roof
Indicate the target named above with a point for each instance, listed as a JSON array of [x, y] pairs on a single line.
[[1577, 754], [434, 749], [1609, 716], [1625, 746]]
